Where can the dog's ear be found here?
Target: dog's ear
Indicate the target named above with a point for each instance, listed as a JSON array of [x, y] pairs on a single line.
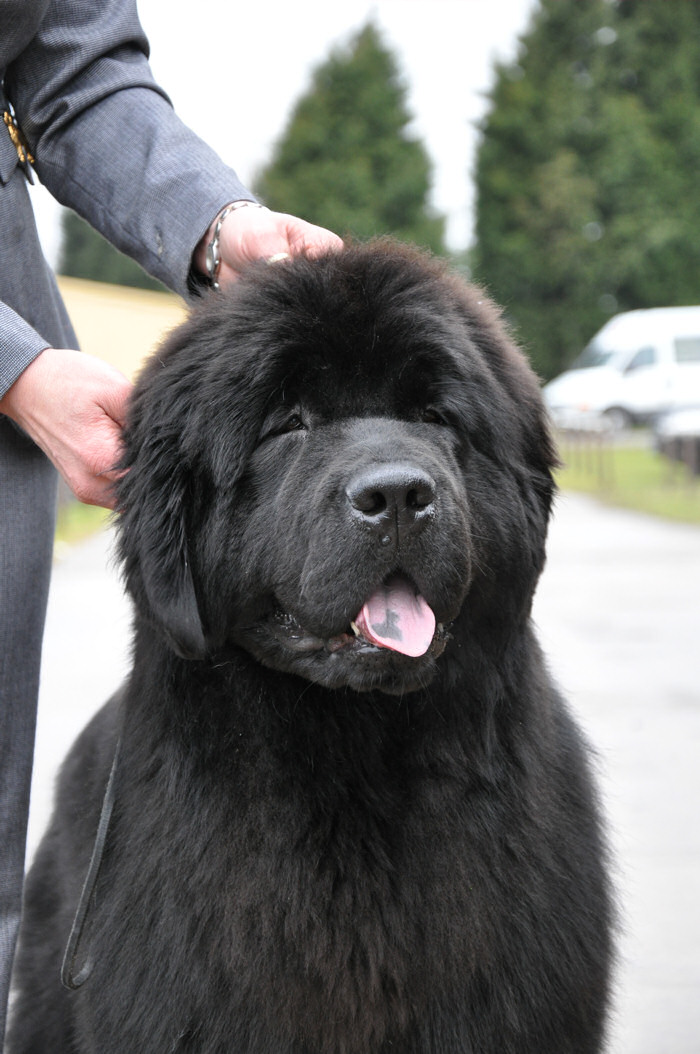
[[193, 420], [152, 533]]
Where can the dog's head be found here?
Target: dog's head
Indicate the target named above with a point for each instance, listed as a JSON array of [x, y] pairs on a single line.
[[331, 464]]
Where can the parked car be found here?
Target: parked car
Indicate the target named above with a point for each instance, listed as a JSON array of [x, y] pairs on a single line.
[[639, 365]]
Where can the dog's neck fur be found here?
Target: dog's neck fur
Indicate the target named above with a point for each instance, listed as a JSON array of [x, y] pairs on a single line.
[[333, 731]]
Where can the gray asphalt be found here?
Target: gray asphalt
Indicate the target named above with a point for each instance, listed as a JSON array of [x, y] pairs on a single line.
[[619, 618]]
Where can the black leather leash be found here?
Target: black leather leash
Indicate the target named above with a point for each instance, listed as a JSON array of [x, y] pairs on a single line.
[[72, 974]]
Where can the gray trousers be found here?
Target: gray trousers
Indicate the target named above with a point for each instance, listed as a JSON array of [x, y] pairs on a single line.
[[27, 512]]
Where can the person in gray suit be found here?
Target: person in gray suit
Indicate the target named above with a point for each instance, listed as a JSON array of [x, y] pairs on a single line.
[[81, 108]]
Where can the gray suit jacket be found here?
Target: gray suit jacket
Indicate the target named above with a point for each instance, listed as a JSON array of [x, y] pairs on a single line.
[[106, 143]]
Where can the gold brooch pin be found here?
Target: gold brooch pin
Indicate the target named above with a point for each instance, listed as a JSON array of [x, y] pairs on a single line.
[[17, 138]]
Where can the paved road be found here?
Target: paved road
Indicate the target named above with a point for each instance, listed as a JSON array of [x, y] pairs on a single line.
[[619, 617]]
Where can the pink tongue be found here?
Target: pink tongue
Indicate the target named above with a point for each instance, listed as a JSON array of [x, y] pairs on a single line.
[[398, 618]]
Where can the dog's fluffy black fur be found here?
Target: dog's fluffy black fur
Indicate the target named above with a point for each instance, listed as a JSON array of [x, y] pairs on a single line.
[[318, 845]]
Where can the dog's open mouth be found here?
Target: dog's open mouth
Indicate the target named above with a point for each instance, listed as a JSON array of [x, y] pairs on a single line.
[[395, 617]]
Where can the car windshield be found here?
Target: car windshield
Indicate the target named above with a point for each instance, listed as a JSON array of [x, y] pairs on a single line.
[[593, 355]]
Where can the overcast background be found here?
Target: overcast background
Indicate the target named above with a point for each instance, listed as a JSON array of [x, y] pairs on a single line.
[[235, 71]]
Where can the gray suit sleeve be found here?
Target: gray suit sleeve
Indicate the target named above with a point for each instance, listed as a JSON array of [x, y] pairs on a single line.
[[107, 142], [19, 345]]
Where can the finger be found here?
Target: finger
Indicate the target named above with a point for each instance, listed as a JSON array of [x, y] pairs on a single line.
[[308, 238], [115, 399], [320, 246], [103, 495], [92, 489]]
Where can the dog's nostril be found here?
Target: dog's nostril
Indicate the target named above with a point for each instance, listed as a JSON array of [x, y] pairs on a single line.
[[398, 492], [369, 502], [420, 497]]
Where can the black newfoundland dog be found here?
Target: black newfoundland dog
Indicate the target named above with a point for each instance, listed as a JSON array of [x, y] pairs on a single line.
[[351, 814]]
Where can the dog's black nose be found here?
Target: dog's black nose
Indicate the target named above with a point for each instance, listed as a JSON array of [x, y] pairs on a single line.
[[392, 498]]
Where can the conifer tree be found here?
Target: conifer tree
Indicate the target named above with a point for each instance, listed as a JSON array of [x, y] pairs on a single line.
[[587, 199], [347, 159]]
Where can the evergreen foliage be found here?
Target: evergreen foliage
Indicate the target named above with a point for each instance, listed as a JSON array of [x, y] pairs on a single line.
[[86, 254], [347, 159], [587, 195]]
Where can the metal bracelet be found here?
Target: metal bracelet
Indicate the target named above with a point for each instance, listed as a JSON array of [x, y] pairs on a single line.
[[213, 257]]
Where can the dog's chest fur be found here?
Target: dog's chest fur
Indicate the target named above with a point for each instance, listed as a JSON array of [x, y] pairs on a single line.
[[295, 841]]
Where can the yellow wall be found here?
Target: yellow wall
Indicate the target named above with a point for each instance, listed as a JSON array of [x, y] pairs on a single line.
[[119, 324]]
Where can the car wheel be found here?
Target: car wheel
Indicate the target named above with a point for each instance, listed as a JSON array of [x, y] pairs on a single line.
[[617, 418]]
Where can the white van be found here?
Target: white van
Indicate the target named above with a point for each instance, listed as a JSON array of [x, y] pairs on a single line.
[[639, 365]]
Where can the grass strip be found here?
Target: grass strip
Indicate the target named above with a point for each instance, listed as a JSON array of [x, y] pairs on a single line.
[[630, 476], [75, 522]]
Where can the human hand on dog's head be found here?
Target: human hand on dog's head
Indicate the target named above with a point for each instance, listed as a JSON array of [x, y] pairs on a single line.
[[249, 234]]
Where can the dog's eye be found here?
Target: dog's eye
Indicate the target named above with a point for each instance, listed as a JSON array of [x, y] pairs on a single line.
[[432, 416], [294, 423], [281, 424]]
